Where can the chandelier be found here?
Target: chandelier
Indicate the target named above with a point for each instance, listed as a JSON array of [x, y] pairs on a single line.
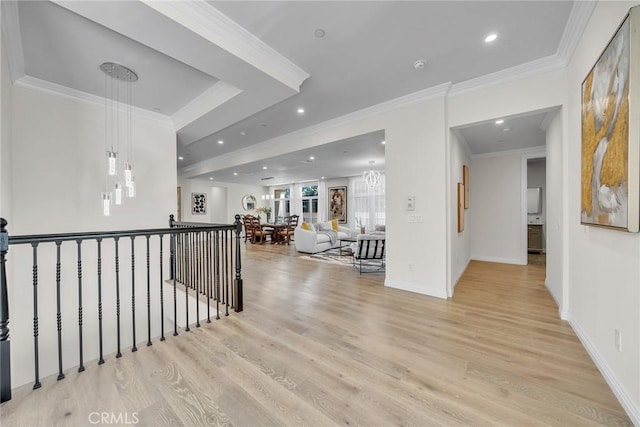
[[120, 181], [371, 177]]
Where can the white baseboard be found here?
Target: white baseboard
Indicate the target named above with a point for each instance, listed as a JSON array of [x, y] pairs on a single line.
[[497, 259], [457, 279], [633, 410], [417, 288], [564, 315]]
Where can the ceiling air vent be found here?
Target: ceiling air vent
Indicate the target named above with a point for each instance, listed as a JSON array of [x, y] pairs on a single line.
[[266, 179]]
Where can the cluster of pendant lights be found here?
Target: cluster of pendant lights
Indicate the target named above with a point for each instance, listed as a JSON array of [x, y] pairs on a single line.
[[120, 180]]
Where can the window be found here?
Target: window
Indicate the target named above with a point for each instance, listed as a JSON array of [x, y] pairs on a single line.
[[310, 203], [281, 204], [368, 203]]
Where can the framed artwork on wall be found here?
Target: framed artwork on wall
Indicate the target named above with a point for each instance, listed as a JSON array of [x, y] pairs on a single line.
[[465, 182], [337, 204], [460, 207], [198, 203], [610, 173]]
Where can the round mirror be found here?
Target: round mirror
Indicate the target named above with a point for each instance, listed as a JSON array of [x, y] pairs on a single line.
[[248, 202]]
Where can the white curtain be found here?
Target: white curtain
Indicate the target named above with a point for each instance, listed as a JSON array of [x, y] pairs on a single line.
[[366, 204], [295, 192], [322, 201]]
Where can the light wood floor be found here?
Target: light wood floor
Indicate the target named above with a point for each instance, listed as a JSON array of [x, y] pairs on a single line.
[[320, 345]]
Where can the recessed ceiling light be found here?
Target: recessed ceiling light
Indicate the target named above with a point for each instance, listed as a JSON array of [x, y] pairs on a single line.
[[180, 158], [210, 178], [311, 158], [490, 38], [264, 168], [319, 33], [384, 142], [220, 142], [235, 174], [499, 121], [419, 64], [322, 177], [243, 133], [506, 129], [300, 110]]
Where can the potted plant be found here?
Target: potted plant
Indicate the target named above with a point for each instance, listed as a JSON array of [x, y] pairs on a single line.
[[266, 210]]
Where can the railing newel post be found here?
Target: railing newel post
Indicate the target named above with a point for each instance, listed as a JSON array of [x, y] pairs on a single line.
[[238, 280], [5, 342]]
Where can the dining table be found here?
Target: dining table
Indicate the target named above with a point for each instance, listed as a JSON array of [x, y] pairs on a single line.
[[276, 229]]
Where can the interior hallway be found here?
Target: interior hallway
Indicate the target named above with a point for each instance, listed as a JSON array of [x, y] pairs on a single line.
[[318, 344]]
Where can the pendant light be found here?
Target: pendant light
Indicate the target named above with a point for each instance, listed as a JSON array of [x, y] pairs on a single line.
[[371, 177]]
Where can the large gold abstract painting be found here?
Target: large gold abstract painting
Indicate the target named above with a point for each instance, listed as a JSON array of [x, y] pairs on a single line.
[[609, 178]]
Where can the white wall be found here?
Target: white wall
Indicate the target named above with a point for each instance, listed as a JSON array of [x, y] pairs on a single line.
[[57, 175], [604, 272], [460, 247], [495, 208], [5, 133], [234, 194], [553, 204], [218, 205], [58, 162]]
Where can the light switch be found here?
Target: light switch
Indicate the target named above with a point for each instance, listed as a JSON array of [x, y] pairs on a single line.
[[411, 203]]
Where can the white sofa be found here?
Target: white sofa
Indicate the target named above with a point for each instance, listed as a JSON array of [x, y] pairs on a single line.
[[312, 241]]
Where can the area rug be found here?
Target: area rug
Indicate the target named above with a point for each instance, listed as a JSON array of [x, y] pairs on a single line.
[[333, 256]]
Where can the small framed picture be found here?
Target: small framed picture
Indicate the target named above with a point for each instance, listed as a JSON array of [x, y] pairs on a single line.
[[198, 203]]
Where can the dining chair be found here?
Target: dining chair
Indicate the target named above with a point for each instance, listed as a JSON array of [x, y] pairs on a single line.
[[290, 222], [248, 227], [259, 233]]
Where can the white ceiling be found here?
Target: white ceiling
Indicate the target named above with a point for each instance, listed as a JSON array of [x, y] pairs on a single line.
[[237, 71], [506, 133]]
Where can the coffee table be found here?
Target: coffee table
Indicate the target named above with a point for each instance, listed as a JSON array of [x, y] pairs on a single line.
[[346, 240]]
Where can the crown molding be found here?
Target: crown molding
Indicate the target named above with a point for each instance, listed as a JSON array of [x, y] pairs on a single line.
[[282, 142], [576, 23], [463, 141], [11, 32], [56, 89], [211, 24], [210, 99], [578, 19], [538, 66], [547, 120], [532, 150]]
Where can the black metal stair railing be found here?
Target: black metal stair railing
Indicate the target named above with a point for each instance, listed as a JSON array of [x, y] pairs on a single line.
[[203, 259]]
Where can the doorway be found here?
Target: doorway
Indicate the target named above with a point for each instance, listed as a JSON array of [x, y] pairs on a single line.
[[536, 193]]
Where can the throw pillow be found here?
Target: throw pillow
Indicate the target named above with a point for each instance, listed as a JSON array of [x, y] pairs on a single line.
[[307, 226], [324, 226], [334, 225]]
